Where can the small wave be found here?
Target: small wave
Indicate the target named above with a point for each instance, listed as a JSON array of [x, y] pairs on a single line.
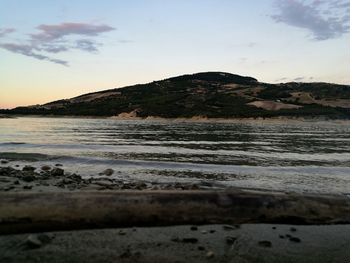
[[32, 157], [12, 143]]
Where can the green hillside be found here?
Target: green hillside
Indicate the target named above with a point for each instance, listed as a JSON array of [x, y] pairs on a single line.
[[209, 94]]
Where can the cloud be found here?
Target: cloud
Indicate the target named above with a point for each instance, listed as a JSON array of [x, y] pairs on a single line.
[[299, 79], [304, 79], [87, 45], [281, 79], [51, 48], [28, 51], [324, 19], [252, 44], [6, 31], [54, 39], [52, 32]]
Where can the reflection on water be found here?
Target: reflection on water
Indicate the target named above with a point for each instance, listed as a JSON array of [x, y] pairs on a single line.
[[307, 156]]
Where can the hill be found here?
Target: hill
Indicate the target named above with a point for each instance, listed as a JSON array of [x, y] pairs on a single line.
[[208, 94]]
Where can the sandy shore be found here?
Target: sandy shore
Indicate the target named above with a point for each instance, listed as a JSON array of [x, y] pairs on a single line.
[[195, 119], [209, 243]]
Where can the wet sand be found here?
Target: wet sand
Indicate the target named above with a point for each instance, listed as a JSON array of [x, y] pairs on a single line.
[[209, 243], [55, 179]]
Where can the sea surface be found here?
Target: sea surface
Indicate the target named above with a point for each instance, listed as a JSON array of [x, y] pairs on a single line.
[[295, 156]]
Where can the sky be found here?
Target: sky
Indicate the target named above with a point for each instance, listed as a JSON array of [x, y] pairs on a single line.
[[52, 50]]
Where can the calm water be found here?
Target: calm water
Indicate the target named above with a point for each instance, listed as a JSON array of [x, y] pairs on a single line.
[[293, 156]]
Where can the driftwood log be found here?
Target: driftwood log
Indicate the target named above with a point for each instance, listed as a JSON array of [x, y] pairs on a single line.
[[33, 212]]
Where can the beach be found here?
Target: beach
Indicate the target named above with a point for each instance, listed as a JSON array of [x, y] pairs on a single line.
[[278, 156], [175, 131], [207, 243], [246, 242], [55, 179], [285, 185]]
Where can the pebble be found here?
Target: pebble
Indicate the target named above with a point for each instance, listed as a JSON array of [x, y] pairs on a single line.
[[295, 239], [230, 240], [192, 240], [37, 241], [33, 241], [229, 227], [108, 172], [210, 254], [67, 181], [122, 233], [194, 187], [141, 186], [27, 187], [75, 177], [4, 161], [175, 239], [57, 172], [178, 185], [46, 168], [28, 178], [28, 168], [201, 248], [194, 228], [293, 229], [265, 243]]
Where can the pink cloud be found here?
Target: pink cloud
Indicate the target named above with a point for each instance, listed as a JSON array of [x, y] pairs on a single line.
[[53, 39], [51, 32]]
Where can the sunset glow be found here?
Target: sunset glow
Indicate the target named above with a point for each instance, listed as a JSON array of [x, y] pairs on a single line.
[[61, 49]]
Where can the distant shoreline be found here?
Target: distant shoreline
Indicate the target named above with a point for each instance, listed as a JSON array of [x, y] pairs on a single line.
[[200, 119]]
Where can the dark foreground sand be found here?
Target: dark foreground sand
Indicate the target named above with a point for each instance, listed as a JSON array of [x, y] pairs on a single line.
[[209, 243]]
